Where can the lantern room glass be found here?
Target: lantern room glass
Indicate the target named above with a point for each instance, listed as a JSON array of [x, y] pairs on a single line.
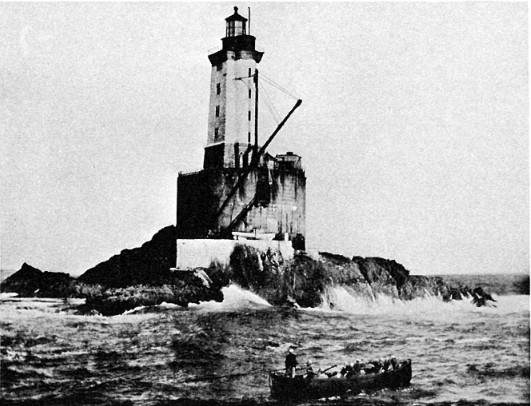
[[235, 28]]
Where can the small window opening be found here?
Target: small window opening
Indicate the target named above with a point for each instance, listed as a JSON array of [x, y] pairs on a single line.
[[218, 88], [217, 111]]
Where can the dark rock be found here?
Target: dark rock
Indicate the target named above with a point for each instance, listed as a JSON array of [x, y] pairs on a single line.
[[342, 269], [522, 286], [300, 281], [481, 298], [183, 288], [303, 280], [382, 270], [148, 264], [32, 282]]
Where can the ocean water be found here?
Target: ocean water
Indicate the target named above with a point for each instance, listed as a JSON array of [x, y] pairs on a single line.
[[216, 353]]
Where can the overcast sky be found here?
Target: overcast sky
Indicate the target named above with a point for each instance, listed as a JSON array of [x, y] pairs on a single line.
[[413, 127]]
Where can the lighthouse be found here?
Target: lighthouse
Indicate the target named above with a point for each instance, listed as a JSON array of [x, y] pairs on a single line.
[[232, 118], [243, 194]]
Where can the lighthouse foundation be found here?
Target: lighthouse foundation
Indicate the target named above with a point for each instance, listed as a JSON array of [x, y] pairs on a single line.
[[268, 203]]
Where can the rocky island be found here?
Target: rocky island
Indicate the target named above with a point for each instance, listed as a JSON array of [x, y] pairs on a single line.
[[144, 276]]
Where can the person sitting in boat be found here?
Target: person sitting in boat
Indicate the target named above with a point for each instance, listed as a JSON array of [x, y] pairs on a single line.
[[331, 374], [394, 363], [386, 365], [378, 366], [368, 368], [291, 363], [357, 368], [390, 364], [310, 373], [345, 370], [353, 369], [373, 367]]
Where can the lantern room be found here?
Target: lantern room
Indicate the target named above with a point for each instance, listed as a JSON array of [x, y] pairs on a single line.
[[236, 24]]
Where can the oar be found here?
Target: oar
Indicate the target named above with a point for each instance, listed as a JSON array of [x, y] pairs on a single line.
[[333, 366], [213, 377]]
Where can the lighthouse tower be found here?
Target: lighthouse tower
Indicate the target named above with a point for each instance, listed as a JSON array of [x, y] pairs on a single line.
[[232, 118], [242, 193]]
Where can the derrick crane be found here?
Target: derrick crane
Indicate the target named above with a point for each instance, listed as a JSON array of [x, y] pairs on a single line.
[[255, 161]]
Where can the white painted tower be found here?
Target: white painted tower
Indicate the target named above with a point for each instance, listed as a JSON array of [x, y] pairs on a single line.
[[232, 123]]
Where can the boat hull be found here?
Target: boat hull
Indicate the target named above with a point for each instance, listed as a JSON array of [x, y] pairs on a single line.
[[283, 387]]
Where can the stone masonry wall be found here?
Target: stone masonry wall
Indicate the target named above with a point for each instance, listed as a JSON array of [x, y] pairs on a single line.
[[280, 205]]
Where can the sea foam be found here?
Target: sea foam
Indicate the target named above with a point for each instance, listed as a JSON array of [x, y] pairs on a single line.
[[235, 298]]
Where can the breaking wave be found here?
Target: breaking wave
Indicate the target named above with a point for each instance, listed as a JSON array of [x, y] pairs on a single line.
[[344, 299], [235, 298]]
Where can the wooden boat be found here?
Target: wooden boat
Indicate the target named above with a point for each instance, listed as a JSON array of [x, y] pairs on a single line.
[[300, 387]]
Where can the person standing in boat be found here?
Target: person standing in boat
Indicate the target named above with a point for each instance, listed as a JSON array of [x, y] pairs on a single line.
[[291, 363]]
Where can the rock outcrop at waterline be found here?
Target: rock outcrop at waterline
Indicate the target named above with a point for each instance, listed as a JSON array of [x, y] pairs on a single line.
[[304, 279], [32, 282], [147, 264], [181, 288], [142, 276], [136, 277]]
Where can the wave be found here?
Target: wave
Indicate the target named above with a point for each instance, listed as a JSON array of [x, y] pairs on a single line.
[[8, 295], [345, 299], [234, 298]]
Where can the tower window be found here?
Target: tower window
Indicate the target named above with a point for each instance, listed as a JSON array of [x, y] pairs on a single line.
[[249, 115], [218, 66], [250, 72], [250, 93], [217, 111], [218, 88], [216, 133]]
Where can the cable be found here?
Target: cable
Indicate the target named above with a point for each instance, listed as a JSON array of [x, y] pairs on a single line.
[[269, 104], [273, 83]]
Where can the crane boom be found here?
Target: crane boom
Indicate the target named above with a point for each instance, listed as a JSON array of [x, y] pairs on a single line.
[[254, 163], [264, 147]]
